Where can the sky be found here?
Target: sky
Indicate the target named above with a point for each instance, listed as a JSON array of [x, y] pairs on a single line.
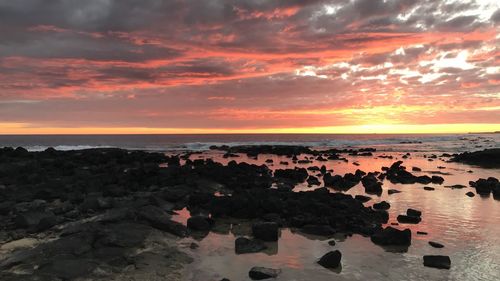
[[249, 66]]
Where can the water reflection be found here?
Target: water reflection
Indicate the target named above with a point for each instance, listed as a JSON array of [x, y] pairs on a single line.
[[468, 227]]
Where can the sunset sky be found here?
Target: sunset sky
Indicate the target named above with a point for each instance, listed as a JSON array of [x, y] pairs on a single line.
[[221, 66]]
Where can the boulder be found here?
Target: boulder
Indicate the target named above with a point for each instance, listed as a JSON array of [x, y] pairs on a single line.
[[484, 158], [331, 259], [362, 198], [485, 186], [312, 180], [371, 184], [159, 219], [266, 231], [413, 213], [437, 179], [260, 273], [408, 219], [297, 175], [199, 223], [381, 206], [46, 223], [32, 219], [392, 236], [339, 182], [436, 245], [441, 262], [244, 245]]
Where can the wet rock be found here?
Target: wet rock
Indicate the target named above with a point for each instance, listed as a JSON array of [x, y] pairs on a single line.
[[313, 168], [321, 230], [323, 169], [416, 169], [470, 194], [408, 219], [382, 206], [393, 191], [230, 155], [331, 259], [428, 188], [332, 243], [244, 245], [437, 179], [283, 150], [413, 213], [266, 231], [312, 180], [261, 273], [422, 233], [441, 262], [199, 223], [484, 158], [436, 245], [362, 198], [392, 236], [486, 186], [371, 184], [297, 175], [383, 215], [456, 186], [339, 182], [398, 174], [161, 220]]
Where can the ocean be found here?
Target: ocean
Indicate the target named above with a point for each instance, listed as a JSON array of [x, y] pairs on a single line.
[[164, 143]]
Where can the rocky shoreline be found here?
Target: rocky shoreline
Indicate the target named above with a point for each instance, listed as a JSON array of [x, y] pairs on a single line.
[[106, 214]]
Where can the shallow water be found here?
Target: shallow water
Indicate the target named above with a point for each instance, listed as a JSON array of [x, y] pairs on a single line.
[[468, 227]]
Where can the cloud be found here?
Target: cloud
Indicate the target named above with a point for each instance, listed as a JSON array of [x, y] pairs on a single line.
[[242, 63]]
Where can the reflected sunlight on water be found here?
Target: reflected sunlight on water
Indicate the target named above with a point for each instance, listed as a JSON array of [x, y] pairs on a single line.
[[468, 227]]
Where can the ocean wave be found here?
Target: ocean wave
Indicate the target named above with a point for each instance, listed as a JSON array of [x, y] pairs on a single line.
[[37, 148], [172, 143]]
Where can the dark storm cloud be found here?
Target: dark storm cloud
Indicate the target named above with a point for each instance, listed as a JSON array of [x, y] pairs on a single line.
[[69, 45]]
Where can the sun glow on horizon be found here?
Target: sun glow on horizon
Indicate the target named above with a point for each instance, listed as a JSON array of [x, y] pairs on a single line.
[[27, 129]]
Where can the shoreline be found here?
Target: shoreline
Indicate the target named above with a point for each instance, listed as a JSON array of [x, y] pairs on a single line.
[[117, 204]]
